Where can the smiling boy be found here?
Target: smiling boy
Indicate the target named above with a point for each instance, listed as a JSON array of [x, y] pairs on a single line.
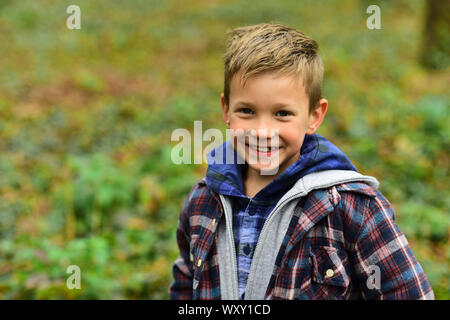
[[295, 220]]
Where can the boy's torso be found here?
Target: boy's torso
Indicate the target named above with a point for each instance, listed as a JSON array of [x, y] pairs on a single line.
[[336, 236], [311, 247]]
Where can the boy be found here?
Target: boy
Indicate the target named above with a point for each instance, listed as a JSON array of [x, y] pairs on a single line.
[[307, 226]]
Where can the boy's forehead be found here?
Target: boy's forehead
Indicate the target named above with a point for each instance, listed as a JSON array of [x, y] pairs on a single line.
[[239, 83], [239, 80]]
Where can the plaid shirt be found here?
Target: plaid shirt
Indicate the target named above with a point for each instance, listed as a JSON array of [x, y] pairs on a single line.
[[334, 239]]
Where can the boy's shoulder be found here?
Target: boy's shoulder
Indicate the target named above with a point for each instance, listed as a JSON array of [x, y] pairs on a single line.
[[358, 187], [366, 198], [352, 196], [342, 189], [200, 200], [199, 189]]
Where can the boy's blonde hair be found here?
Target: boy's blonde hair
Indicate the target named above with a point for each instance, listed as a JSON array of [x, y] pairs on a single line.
[[264, 47]]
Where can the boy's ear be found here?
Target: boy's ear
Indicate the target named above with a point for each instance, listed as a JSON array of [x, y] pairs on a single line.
[[316, 117], [225, 110]]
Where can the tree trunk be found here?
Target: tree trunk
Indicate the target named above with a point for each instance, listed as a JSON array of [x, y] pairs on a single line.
[[436, 42]]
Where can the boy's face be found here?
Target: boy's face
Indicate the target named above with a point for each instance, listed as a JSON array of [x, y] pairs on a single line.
[[275, 106]]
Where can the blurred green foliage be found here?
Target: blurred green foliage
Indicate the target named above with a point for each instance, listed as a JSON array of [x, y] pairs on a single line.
[[85, 170]]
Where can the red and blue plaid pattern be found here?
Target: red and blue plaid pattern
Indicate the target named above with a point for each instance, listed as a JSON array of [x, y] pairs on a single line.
[[334, 239]]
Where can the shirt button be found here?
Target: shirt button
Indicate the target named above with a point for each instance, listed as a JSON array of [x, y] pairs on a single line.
[[329, 273], [247, 249]]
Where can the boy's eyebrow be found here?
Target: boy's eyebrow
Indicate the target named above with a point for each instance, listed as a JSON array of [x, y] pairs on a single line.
[[249, 104], [243, 103]]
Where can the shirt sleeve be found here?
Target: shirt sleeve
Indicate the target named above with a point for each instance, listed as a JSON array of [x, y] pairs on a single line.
[[181, 287], [385, 265]]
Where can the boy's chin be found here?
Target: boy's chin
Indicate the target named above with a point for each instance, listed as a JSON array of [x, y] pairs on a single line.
[[264, 169], [270, 171], [274, 167]]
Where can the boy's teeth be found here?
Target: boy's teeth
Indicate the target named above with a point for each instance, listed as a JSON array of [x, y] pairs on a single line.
[[264, 149]]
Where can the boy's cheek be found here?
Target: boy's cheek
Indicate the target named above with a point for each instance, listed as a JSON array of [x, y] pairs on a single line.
[[238, 123]]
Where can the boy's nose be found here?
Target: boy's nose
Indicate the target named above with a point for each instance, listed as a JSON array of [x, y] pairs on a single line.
[[266, 136]]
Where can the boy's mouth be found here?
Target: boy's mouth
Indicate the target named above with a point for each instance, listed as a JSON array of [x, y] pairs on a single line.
[[263, 151]]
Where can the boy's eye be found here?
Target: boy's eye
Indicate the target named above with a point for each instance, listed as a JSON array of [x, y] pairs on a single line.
[[283, 113], [245, 110]]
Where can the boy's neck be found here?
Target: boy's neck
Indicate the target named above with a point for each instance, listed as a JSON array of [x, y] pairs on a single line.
[[254, 181]]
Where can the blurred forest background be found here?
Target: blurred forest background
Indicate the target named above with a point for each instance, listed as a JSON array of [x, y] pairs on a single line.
[[86, 118]]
